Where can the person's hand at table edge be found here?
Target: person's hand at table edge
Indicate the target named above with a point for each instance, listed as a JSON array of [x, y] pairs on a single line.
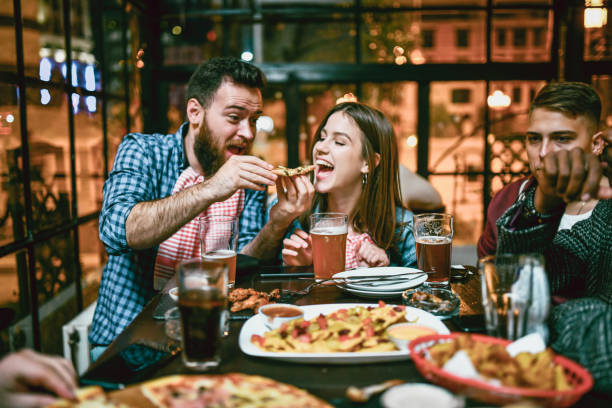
[[31, 379]]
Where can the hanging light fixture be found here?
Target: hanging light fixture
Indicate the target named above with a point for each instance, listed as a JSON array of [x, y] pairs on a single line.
[[595, 14]]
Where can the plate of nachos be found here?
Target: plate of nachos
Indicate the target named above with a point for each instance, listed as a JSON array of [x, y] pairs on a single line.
[[342, 333]]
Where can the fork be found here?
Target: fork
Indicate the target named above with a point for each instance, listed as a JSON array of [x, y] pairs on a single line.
[[302, 292]]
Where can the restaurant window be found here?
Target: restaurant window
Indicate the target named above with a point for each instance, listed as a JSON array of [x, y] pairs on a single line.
[[501, 37], [428, 38], [598, 34], [462, 38], [461, 95], [539, 36], [516, 94], [271, 138], [519, 37]]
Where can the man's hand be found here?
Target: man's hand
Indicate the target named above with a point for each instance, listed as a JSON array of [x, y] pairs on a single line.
[[567, 176], [30, 379], [241, 172], [297, 249], [295, 196], [369, 255]]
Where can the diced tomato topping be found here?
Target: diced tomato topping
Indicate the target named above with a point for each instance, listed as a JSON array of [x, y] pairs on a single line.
[[306, 338], [284, 327], [369, 331], [305, 324], [344, 337], [381, 303], [399, 308], [342, 311], [294, 333], [333, 316], [392, 313], [256, 338], [367, 321], [322, 322]]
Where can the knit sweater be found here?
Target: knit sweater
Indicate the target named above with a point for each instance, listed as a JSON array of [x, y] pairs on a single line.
[[579, 266]]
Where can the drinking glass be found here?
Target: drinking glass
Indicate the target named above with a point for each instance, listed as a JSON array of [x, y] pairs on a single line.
[[515, 295], [202, 303], [433, 234], [328, 233], [218, 236]]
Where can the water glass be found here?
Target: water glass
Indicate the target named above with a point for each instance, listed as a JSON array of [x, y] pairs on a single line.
[[515, 295]]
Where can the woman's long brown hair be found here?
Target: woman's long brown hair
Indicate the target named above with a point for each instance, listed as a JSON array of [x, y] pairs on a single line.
[[375, 210]]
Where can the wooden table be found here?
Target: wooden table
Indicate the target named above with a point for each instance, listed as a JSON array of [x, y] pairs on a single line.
[[326, 381]]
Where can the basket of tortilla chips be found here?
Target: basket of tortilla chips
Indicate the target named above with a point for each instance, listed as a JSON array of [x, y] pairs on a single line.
[[545, 378]]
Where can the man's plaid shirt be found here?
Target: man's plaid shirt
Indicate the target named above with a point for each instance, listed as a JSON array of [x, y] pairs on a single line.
[[146, 168]]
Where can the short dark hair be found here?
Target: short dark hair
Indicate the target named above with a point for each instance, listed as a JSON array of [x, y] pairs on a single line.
[[210, 75], [570, 98]]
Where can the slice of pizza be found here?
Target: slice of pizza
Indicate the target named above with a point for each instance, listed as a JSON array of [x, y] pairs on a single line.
[[284, 171], [87, 397]]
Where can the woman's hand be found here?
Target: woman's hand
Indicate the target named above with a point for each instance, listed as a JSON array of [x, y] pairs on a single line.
[[297, 249], [368, 254]]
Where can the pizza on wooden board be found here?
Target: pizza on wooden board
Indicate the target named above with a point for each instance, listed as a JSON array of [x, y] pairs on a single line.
[[284, 171], [88, 397], [233, 390]]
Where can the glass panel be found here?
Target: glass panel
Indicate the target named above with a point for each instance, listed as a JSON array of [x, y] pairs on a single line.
[[191, 40], [116, 128], [508, 160], [603, 85], [521, 2], [521, 35], [92, 257], [271, 144], [421, 3], [13, 301], [112, 28], [8, 59], [49, 156], [422, 37], [55, 275], [462, 197], [597, 34], [177, 105], [317, 100], [398, 101], [322, 41], [44, 49], [456, 141], [86, 69], [88, 138], [12, 215]]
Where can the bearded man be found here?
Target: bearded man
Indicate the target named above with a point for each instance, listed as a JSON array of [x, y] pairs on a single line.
[[140, 210]]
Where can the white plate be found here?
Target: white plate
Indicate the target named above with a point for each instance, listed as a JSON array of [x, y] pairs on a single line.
[[255, 325], [376, 286], [370, 294]]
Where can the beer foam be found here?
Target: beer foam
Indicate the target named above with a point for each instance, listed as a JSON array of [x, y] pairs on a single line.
[[325, 230], [220, 254], [433, 240]]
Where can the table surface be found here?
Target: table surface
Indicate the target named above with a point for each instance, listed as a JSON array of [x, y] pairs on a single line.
[[323, 380]]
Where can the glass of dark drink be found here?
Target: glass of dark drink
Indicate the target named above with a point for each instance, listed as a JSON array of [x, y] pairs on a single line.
[[328, 234], [202, 303], [515, 295], [218, 236], [433, 234]]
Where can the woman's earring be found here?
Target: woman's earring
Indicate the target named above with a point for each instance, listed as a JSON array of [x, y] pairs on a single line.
[[365, 178]]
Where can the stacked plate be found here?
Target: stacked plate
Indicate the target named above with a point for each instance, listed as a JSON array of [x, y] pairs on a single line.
[[380, 282]]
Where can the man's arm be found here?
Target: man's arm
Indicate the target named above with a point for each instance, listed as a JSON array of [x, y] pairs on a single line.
[[150, 223], [417, 193], [291, 203]]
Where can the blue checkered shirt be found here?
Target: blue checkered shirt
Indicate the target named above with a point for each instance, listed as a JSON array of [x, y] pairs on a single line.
[[146, 168]]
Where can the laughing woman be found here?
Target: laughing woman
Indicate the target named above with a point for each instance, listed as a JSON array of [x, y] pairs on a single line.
[[355, 153]]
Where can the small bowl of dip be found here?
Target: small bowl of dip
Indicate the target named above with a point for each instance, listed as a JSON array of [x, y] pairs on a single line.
[[275, 314], [401, 334]]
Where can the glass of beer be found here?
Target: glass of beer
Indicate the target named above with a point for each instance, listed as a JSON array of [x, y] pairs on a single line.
[[433, 234], [218, 236], [515, 295], [202, 302], [328, 233]]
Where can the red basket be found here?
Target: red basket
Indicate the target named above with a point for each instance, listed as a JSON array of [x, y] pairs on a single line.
[[579, 378]]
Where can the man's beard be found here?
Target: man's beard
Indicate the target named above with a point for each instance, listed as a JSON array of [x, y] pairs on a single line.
[[209, 156]]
